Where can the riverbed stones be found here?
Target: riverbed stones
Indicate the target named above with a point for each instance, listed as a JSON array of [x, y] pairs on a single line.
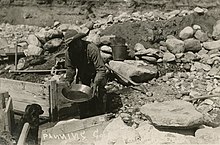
[[33, 40], [208, 135], [117, 132], [33, 50], [216, 31], [106, 49], [186, 33], [135, 70], [175, 45], [52, 44], [192, 45], [212, 45], [175, 113], [201, 36], [199, 10], [168, 57]]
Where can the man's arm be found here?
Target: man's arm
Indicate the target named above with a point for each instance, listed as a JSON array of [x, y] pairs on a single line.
[[98, 63], [71, 69]]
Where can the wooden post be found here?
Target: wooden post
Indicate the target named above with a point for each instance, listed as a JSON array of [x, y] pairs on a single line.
[[23, 135], [7, 112], [53, 101], [16, 55]]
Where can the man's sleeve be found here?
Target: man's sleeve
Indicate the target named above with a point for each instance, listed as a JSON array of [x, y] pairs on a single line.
[[71, 69], [98, 63]]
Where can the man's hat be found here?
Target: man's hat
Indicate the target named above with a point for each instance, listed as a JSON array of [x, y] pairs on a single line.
[[72, 34]]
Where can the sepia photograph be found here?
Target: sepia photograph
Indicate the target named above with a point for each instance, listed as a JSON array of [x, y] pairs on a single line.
[[109, 72]]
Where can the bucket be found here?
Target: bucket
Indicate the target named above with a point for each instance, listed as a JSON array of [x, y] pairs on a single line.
[[119, 52]]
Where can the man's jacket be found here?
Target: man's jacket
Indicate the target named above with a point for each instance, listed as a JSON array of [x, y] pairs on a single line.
[[89, 63]]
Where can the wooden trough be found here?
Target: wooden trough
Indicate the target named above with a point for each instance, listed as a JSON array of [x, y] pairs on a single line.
[[47, 95]]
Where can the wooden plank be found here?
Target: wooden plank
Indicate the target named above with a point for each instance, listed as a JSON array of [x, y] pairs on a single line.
[[89, 130], [25, 93], [53, 101], [9, 116]]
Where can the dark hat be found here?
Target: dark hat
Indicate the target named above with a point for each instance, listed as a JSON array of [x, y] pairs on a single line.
[[72, 34]]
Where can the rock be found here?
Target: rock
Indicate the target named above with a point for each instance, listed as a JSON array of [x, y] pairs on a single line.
[[94, 37], [3, 42], [135, 70], [175, 113], [117, 131], [208, 135], [21, 63], [212, 45], [150, 135], [192, 45], [106, 49], [33, 40], [139, 47], [33, 50], [52, 44], [216, 31], [106, 56], [50, 34], [201, 36], [126, 117], [188, 57], [149, 59], [168, 57], [199, 10], [175, 45], [200, 66], [63, 27], [41, 35], [106, 39], [196, 27], [74, 27], [56, 23], [186, 33], [214, 71]]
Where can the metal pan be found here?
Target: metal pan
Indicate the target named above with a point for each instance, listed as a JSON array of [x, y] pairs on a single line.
[[78, 93]]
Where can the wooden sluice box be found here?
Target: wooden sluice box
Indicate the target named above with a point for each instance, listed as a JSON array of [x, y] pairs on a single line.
[[75, 131], [47, 95]]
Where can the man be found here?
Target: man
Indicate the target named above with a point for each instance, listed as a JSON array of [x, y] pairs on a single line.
[[85, 57]]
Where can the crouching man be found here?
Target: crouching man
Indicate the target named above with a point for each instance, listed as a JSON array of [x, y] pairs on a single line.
[[85, 57]]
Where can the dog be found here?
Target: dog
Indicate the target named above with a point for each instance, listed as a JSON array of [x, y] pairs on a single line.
[[31, 116]]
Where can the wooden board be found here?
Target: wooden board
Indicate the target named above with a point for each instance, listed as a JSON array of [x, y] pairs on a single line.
[[24, 93], [86, 130]]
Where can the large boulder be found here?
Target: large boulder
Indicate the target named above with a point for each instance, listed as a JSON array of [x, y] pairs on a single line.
[[52, 44], [33, 50], [186, 33], [150, 135], [175, 45], [138, 71], [33, 40], [216, 31], [117, 132], [175, 113], [208, 135], [212, 45], [192, 45]]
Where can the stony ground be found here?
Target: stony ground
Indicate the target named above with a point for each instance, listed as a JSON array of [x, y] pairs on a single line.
[[178, 67]]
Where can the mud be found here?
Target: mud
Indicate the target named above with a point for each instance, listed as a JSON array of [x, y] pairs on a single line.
[[150, 33]]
